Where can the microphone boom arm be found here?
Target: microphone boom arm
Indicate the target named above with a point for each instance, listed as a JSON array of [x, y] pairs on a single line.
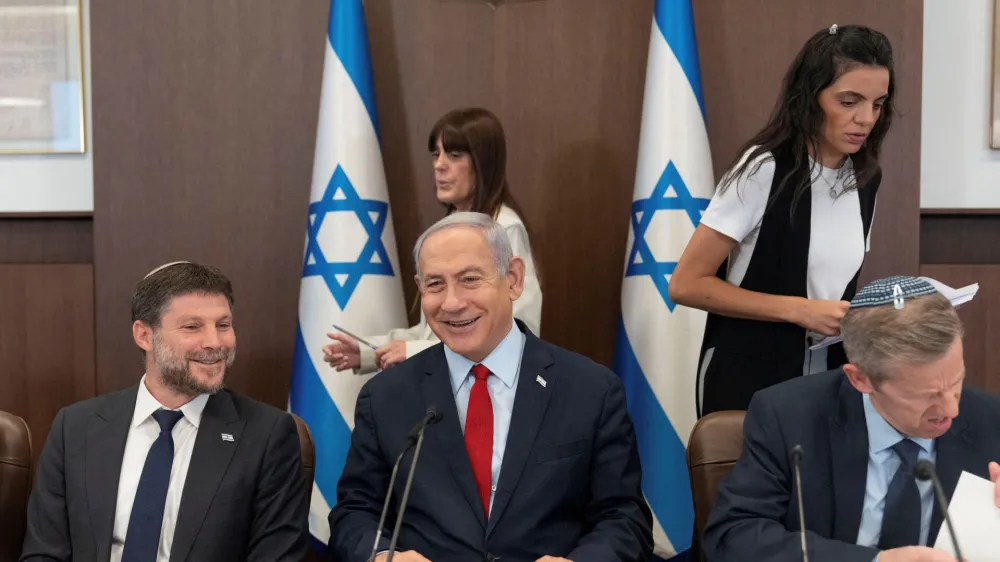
[[797, 460], [406, 493]]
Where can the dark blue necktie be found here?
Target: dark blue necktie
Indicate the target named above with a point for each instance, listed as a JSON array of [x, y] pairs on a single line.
[[143, 537], [901, 517]]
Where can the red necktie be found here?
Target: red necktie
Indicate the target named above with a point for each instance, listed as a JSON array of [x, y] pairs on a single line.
[[479, 434]]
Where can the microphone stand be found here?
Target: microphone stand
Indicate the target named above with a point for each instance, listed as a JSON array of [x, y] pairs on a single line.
[[925, 470], [797, 458], [432, 416], [406, 493], [385, 506]]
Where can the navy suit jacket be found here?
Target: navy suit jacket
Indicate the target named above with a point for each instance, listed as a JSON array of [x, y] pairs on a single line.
[[570, 483], [756, 512]]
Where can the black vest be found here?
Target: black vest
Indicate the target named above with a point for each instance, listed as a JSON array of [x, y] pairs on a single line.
[[770, 352]]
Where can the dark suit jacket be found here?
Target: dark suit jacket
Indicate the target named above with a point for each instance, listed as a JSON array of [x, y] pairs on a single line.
[[756, 512], [242, 500], [569, 484]]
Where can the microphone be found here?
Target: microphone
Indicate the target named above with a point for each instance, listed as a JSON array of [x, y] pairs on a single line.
[[415, 440], [432, 416], [925, 471], [797, 453]]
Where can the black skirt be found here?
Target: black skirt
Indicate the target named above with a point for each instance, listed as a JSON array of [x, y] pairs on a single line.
[[732, 378]]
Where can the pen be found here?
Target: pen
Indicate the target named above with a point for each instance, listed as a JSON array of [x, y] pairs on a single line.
[[361, 340]]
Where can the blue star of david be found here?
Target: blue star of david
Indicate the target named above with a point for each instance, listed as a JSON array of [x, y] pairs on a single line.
[[373, 260], [640, 258]]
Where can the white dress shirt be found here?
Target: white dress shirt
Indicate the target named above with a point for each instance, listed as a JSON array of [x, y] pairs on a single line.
[[141, 434]]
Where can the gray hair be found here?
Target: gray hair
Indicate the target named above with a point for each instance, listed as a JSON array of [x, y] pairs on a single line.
[[880, 339], [495, 235]]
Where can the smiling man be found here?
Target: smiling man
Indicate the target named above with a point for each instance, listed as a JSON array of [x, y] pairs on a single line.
[[534, 458], [863, 430], [176, 467]]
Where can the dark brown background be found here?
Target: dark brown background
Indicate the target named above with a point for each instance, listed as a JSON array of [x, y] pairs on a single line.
[[204, 125], [209, 158]]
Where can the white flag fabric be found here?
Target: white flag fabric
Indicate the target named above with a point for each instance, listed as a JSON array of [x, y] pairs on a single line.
[[658, 344], [350, 274]]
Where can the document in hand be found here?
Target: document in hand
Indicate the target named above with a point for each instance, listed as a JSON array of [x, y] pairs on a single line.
[[976, 519], [956, 296]]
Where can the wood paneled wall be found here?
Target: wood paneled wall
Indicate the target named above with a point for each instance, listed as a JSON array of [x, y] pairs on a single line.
[[46, 240], [566, 80], [46, 316], [224, 163], [205, 125], [958, 248], [980, 318], [46, 341]]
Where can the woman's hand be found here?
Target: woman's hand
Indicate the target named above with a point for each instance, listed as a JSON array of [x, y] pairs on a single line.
[[343, 354], [821, 316]]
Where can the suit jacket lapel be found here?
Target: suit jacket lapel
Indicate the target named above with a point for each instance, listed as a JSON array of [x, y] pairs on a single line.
[[437, 391], [209, 462], [952, 452], [107, 432], [849, 459], [530, 403]]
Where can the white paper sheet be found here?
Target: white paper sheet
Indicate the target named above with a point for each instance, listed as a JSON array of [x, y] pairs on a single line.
[[976, 519]]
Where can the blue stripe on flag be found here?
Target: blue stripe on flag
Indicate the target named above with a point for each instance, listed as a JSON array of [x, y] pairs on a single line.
[[311, 401], [348, 37], [665, 480], [675, 19]]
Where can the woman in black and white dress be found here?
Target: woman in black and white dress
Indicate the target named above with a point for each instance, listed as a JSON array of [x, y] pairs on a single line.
[[776, 257]]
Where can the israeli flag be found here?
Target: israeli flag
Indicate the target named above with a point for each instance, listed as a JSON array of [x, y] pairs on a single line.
[[350, 273], [658, 343]]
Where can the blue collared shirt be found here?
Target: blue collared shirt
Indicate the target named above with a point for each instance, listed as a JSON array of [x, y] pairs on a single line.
[[882, 465], [504, 362]]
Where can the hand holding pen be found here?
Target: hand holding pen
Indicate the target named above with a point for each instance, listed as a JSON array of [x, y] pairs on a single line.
[[345, 352]]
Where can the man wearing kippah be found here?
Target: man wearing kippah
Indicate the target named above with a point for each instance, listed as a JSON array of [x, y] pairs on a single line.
[[862, 429], [176, 467]]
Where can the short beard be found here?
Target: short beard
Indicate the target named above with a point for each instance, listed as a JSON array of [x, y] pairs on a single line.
[[175, 372]]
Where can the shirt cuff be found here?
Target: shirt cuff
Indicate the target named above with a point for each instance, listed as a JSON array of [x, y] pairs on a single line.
[[367, 361]]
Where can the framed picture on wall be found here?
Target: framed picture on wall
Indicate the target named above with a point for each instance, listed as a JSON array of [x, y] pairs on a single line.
[[41, 77], [995, 129]]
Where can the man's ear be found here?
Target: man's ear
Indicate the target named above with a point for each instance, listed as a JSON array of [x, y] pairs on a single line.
[[143, 335], [515, 277], [859, 380]]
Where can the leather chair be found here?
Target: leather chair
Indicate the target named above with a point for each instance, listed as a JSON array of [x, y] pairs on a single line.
[[308, 450], [15, 484], [714, 447]]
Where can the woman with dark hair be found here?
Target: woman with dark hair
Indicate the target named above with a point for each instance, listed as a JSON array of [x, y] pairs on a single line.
[[776, 257], [469, 155]]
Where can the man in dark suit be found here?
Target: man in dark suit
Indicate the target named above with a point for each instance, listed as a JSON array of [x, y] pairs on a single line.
[[863, 429], [535, 457], [175, 468]]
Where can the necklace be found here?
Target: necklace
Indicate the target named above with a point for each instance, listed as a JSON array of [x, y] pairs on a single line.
[[834, 184]]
